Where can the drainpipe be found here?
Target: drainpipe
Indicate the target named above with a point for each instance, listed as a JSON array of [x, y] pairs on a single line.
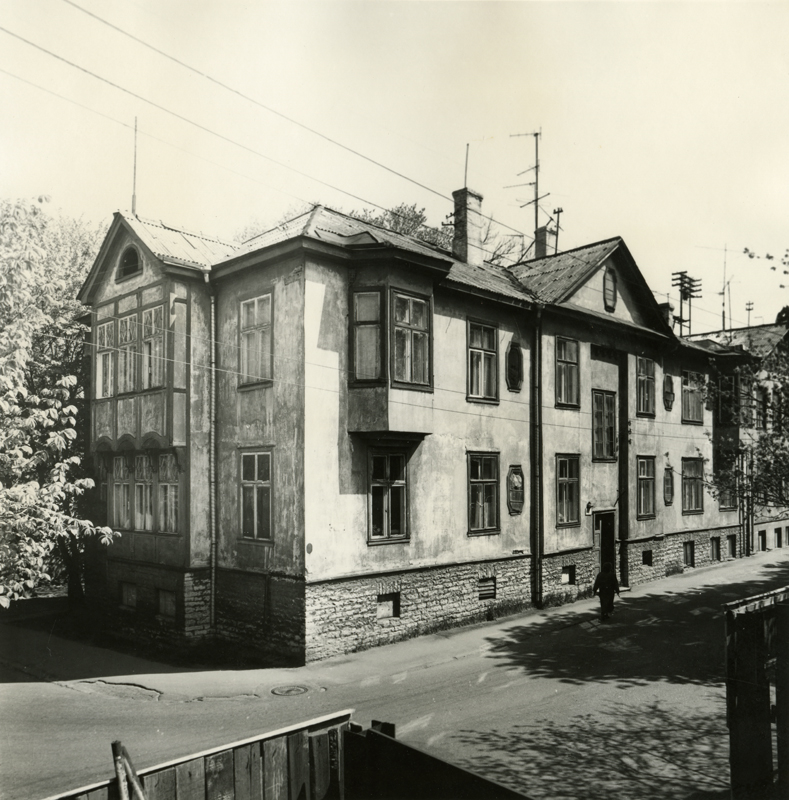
[[212, 460], [538, 542]]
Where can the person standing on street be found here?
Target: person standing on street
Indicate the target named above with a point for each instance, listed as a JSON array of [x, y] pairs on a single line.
[[606, 586]]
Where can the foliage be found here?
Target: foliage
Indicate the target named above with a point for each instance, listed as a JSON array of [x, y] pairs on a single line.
[[412, 221], [42, 260]]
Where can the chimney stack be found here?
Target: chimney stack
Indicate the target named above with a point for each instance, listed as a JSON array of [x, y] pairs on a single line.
[[667, 310], [467, 242], [541, 242]]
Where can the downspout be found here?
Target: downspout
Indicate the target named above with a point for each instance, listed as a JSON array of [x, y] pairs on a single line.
[[538, 539], [212, 461]]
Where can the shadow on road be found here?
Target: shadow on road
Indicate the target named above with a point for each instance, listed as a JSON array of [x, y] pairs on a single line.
[[667, 636], [649, 753]]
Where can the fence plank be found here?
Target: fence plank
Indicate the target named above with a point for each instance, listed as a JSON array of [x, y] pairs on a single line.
[[248, 772], [320, 775], [190, 780], [275, 769], [99, 794], [299, 766], [337, 762], [160, 785], [219, 776]]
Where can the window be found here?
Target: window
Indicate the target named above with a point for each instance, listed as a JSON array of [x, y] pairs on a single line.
[[105, 360], [483, 492], [609, 289], [152, 347], [689, 554], [568, 575], [515, 494], [746, 401], [668, 486], [603, 425], [762, 540], [256, 495], [121, 504], [514, 366], [727, 493], [168, 493], [728, 400], [388, 605], [731, 541], [567, 383], [128, 595], [411, 340], [715, 548], [646, 486], [166, 602], [568, 494], [646, 558], [388, 496], [130, 263], [692, 403], [127, 354], [645, 386], [778, 538], [483, 379], [367, 341], [256, 339], [692, 485], [486, 588], [760, 403], [143, 493], [668, 392]]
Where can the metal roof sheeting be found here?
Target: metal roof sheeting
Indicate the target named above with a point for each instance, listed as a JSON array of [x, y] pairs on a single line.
[[759, 340]]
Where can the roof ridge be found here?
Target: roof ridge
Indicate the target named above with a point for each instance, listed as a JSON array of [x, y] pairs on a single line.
[[570, 251], [161, 224]]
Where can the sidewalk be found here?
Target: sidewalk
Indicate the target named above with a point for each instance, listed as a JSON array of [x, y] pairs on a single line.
[[30, 654]]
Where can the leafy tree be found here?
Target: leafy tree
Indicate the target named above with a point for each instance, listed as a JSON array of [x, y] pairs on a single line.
[[783, 316], [412, 221], [42, 261]]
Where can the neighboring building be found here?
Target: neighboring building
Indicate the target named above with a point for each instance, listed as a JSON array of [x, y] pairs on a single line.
[[749, 406], [336, 436]]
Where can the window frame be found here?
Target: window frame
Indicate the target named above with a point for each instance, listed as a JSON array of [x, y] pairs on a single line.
[[122, 494], [494, 482], [668, 391], [689, 392], [256, 484], [380, 325], [573, 367], [608, 426], [127, 350], [154, 364], [648, 482], [258, 330], [610, 280], [388, 483], [394, 326], [487, 355], [648, 381], [697, 480], [569, 480], [105, 360], [516, 497], [123, 272], [668, 486]]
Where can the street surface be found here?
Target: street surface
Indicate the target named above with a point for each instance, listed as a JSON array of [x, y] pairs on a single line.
[[553, 703]]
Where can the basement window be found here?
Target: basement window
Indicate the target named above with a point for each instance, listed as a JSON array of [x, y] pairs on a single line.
[[128, 595], [166, 603], [646, 558], [487, 588], [568, 574], [388, 605]]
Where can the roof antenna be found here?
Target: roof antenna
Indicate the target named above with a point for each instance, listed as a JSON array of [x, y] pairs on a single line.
[[465, 174], [134, 181]]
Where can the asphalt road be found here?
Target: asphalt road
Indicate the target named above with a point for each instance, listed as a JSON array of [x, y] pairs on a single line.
[[553, 703]]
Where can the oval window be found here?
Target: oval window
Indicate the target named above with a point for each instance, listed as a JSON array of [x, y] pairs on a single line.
[[514, 363], [668, 392], [609, 289]]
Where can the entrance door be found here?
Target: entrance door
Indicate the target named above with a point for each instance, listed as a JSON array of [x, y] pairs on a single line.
[[605, 523]]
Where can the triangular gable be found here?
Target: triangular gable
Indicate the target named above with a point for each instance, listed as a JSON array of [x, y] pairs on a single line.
[[602, 279]]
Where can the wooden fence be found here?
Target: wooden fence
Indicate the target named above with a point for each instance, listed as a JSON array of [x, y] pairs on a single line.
[[300, 762]]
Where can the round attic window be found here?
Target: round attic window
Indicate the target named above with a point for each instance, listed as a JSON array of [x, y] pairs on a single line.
[[130, 263], [609, 289]]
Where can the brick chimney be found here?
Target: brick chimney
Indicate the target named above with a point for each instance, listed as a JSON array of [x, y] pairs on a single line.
[[467, 242], [541, 242], [667, 311]]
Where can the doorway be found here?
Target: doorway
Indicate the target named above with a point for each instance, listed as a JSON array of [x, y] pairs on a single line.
[[605, 525]]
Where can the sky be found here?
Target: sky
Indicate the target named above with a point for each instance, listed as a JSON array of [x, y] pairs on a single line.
[[666, 123]]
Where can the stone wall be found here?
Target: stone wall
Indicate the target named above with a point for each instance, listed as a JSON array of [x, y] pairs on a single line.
[[651, 559], [264, 612], [357, 613], [566, 577]]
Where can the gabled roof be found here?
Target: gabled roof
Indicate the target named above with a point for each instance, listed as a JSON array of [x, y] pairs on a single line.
[[176, 246], [759, 340], [553, 278], [333, 227]]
